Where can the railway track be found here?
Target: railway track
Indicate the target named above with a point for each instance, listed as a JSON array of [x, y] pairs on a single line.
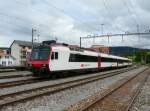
[[20, 82], [10, 70], [16, 75], [10, 98], [118, 97]]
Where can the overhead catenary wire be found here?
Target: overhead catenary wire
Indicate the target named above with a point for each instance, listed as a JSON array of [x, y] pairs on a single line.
[[73, 17], [9, 18], [111, 15], [138, 16], [130, 12], [135, 12], [62, 11]]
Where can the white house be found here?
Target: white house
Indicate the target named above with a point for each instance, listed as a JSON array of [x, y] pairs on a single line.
[[21, 51], [7, 60]]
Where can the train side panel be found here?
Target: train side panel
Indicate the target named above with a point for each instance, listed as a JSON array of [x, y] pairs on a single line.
[[63, 63]]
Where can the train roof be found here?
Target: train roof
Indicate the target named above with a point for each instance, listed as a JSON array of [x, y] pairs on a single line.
[[76, 49]]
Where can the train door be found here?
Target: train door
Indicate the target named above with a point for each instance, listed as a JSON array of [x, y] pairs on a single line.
[[117, 63], [54, 60], [99, 62]]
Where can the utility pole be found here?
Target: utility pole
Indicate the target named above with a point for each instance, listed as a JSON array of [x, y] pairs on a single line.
[[94, 38], [138, 31], [80, 42], [38, 37], [102, 28], [33, 30]]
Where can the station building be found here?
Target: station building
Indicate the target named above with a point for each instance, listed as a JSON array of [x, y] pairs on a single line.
[[100, 48]]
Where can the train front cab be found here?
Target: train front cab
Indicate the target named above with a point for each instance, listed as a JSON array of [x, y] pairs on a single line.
[[39, 61]]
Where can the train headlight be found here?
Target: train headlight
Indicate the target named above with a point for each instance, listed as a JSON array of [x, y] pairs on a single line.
[[44, 65], [30, 65]]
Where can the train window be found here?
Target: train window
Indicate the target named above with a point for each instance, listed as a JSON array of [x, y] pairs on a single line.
[[106, 59], [52, 56], [122, 61], [87, 58], [3, 63], [40, 53], [56, 55], [82, 58]]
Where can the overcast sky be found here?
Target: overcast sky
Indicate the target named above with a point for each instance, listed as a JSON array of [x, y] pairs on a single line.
[[67, 20]]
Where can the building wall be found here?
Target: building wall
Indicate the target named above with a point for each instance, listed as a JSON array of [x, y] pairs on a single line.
[[102, 49], [2, 53], [20, 53], [25, 52], [7, 61], [16, 53]]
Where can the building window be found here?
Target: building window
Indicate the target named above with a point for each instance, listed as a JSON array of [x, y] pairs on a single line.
[[28, 55], [3, 63], [23, 57], [23, 47], [9, 63], [7, 57], [23, 63], [24, 53]]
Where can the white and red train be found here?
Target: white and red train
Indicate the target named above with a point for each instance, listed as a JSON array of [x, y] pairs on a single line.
[[52, 57]]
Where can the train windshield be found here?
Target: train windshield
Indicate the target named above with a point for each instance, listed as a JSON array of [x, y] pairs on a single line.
[[40, 53]]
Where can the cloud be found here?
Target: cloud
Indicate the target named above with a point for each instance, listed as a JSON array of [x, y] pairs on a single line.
[[68, 20]]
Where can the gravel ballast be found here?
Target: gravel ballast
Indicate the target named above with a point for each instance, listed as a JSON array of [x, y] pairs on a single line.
[[63, 99], [142, 102]]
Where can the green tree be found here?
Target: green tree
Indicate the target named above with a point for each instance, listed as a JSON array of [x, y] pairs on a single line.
[[142, 57], [148, 57]]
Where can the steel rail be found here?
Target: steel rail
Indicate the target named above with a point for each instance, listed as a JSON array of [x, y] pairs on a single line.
[[13, 76], [139, 89], [20, 82]]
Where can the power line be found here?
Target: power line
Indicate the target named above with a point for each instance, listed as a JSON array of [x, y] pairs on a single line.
[[10, 22], [133, 9], [74, 17], [102, 28], [10, 17], [64, 12], [109, 13], [111, 35], [129, 11], [138, 31]]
